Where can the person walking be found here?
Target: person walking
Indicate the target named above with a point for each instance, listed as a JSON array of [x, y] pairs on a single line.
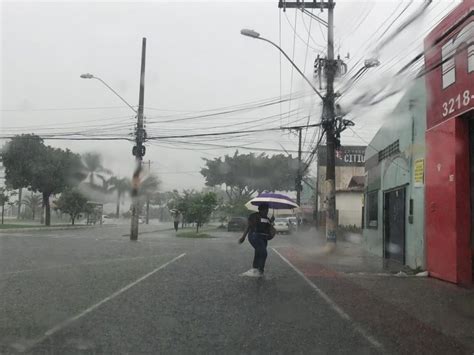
[[176, 219], [259, 230]]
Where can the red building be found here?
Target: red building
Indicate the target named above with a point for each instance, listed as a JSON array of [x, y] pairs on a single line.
[[449, 179]]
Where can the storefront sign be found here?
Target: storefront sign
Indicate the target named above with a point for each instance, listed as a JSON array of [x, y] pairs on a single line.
[[345, 156], [449, 62], [419, 172]]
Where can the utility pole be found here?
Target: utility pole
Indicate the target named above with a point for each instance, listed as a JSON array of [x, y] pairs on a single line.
[[328, 119], [20, 193], [329, 125], [299, 178], [299, 172], [139, 149]]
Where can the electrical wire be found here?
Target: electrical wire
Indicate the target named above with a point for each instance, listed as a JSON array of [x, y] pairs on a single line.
[[309, 32], [292, 59], [62, 109], [296, 34], [279, 52]]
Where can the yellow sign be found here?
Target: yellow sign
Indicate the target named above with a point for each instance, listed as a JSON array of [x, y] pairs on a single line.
[[419, 172]]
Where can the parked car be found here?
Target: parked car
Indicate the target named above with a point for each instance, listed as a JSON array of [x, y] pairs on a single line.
[[282, 225], [237, 224]]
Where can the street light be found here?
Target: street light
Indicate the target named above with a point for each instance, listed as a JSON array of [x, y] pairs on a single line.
[[371, 63], [250, 33], [90, 76], [256, 35]]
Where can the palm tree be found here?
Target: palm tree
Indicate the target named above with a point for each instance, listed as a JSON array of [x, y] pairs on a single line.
[[148, 187], [93, 166], [108, 185], [121, 185], [33, 202]]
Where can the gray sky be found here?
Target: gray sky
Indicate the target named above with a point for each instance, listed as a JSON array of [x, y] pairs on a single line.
[[196, 60]]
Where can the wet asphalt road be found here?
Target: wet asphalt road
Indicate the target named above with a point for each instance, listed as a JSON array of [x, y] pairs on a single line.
[[92, 291]]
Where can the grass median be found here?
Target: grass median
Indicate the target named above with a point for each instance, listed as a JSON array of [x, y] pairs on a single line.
[[191, 233], [21, 226], [13, 226]]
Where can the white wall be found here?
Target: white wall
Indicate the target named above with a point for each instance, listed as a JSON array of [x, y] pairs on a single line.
[[349, 205]]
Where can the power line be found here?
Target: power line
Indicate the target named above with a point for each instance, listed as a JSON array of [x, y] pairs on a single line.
[[213, 146], [62, 109], [411, 63], [228, 133], [292, 59], [297, 34], [248, 108], [419, 75], [364, 49], [309, 31], [60, 138]]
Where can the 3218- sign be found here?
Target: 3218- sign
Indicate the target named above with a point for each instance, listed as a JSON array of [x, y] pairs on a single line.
[[460, 101]]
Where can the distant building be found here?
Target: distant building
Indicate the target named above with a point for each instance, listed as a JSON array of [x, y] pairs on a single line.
[[349, 185]]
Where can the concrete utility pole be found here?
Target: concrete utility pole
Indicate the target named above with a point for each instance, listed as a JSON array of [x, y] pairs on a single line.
[[139, 149], [300, 171], [328, 119], [329, 125], [20, 193], [299, 178], [140, 137]]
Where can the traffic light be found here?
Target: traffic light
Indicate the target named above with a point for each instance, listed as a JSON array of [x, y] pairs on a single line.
[[138, 151]]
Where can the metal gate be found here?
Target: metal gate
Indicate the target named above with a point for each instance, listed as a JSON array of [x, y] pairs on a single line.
[[394, 229]]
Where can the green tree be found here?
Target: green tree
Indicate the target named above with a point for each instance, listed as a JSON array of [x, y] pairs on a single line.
[[34, 203], [93, 166], [56, 171], [29, 163], [148, 187], [121, 186], [72, 202], [242, 175], [20, 156], [200, 208]]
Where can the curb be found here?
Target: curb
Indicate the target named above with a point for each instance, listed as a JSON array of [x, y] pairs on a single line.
[[152, 231], [14, 230]]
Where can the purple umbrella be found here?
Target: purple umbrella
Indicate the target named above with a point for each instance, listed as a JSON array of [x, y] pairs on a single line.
[[274, 201]]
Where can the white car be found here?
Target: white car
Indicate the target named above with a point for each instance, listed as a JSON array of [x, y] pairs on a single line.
[[282, 225]]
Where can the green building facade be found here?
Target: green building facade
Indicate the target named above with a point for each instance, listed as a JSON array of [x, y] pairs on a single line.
[[394, 189]]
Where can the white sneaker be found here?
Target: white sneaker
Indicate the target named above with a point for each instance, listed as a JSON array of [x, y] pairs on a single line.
[[252, 273]]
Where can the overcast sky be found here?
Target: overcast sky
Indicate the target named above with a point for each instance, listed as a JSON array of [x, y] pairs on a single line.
[[196, 60]]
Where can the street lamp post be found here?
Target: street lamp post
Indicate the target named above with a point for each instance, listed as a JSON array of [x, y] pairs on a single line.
[[90, 76], [333, 124], [256, 35], [328, 123], [140, 137]]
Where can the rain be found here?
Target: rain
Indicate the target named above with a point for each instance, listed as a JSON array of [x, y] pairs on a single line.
[[272, 176]]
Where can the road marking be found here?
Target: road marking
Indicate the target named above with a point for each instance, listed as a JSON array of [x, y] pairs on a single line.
[[106, 261], [333, 304], [68, 321]]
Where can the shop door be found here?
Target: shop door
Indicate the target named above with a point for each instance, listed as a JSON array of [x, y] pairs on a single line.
[[394, 218]]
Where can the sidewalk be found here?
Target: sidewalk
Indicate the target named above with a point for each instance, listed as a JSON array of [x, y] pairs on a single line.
[[358, 282]]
